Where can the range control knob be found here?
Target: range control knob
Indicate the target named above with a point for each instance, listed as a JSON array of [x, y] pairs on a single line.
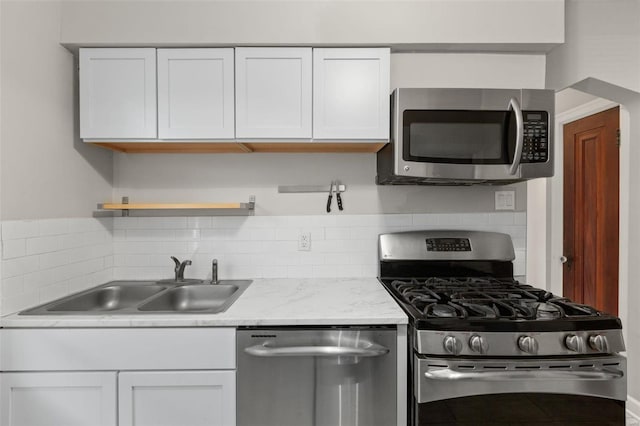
[[575, 343], [452, 345], [528, 344], [478, 344], [599, 343]]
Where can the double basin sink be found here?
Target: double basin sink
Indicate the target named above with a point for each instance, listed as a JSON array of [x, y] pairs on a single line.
[[147, 297]]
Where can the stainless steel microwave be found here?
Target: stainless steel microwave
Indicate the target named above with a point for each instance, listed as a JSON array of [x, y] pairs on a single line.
[[468, 136]]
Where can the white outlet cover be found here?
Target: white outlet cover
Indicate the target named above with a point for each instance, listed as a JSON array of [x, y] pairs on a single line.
[[304, 241], [505, 200]]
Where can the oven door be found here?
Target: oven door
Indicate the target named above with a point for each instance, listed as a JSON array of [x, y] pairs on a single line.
[[500, 392]]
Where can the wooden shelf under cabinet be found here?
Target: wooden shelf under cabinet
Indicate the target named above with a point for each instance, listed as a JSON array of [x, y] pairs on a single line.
[[125, 206], [240, 148]]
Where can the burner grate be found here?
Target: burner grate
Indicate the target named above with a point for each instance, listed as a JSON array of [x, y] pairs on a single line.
[[484, 298]]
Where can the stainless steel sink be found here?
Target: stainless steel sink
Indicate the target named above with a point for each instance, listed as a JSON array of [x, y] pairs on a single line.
[[194, 298], [146, 297], [110, 298]]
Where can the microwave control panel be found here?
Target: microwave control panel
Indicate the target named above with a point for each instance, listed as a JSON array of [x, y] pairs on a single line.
[[536, 137]]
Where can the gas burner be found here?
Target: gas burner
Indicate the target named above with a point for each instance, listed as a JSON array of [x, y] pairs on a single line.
[[441, 310], [572, 309], [548, 311], [485, 298], [482, 311]]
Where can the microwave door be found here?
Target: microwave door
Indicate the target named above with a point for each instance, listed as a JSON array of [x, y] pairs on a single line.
[[462, 144]]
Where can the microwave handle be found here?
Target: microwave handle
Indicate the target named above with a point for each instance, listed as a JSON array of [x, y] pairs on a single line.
[[515, 106]]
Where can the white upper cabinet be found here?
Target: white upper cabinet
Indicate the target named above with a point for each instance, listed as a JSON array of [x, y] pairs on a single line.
[[351, 93], [195, 94], [117, 93], [270, 94], [273, 92]]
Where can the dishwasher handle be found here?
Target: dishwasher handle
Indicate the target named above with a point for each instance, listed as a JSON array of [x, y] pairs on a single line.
[[265, 350]]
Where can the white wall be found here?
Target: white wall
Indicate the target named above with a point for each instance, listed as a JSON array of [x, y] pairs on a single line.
[[601, 42], [229, 178], [601, 57], [569, 99], [632, 254], [46, 171], [439, 23], [482, 70]]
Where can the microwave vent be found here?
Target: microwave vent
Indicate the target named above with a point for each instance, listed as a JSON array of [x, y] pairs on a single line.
[[410, 180]]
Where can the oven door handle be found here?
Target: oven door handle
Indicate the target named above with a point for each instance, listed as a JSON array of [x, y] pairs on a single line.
[[453, 375], [515, 106], [265, 350]]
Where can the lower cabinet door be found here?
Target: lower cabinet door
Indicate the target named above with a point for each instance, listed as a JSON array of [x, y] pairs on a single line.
[[55, 399], [177, 398]]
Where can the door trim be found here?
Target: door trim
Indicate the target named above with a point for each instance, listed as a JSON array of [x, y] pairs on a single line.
[[548, 222], [545, 229]]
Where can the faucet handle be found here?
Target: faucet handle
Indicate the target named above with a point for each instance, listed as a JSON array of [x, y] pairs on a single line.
[[214, 271], [179, 269]]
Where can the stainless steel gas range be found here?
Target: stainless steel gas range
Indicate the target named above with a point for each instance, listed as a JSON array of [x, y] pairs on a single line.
[[488, 350]]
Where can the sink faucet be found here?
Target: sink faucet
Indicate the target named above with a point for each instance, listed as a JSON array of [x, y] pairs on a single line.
[[179, 269], [214, 272]]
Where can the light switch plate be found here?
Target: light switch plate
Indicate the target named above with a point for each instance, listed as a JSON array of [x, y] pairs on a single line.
[[505, 200]]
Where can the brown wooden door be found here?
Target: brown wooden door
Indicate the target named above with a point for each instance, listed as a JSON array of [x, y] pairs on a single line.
[[591, 182]]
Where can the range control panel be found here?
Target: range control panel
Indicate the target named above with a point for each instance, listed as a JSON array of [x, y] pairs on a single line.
[[536, 137], [448, 244]]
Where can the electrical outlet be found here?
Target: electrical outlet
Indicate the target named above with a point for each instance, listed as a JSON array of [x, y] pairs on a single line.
[[304, 241], [505, 200]]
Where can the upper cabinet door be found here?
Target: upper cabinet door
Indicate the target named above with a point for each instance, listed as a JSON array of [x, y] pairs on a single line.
[[195, 94], [273, 92], [351, 93], [118, 93]]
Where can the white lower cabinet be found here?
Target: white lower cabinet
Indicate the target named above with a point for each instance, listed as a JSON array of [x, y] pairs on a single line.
[[177, 398], [56, 399], [118, 377]]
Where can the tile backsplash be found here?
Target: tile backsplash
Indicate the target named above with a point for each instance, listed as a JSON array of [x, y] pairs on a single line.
[[46, 259], [267, 246]]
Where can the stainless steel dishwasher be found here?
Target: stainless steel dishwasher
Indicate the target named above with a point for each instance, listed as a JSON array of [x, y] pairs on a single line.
[[316, 376]]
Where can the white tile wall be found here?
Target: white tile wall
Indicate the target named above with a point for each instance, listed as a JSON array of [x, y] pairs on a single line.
[[46, 259], [267, 246]]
